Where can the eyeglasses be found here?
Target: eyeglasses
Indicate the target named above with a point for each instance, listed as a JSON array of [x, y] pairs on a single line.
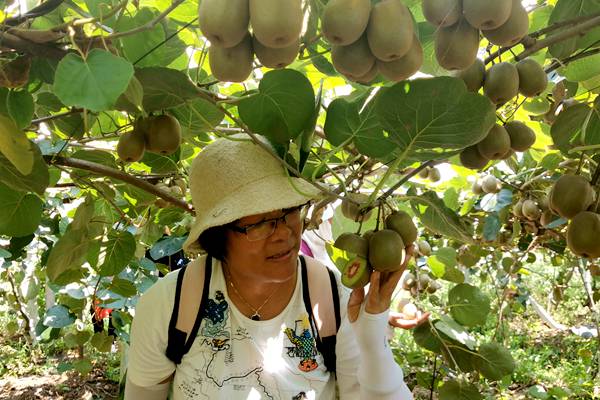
[[291, 217]]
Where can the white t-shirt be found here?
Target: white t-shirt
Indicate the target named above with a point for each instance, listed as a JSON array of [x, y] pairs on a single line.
[[234, 357]]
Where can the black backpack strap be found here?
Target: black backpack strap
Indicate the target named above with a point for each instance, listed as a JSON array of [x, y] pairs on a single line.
[[325, 345], [177, 346]]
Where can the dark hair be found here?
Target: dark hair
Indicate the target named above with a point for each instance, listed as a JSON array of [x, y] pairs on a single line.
[[214, 242]]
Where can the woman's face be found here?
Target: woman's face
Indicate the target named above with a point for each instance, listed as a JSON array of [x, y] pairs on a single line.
[[270, 259]]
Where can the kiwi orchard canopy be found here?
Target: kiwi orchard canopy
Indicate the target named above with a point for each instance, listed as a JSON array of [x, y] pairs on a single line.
[[490, 153]]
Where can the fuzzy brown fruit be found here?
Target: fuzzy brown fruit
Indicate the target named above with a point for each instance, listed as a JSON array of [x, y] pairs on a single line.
[[276, 58], [276, 23], [513, 30], [163, 135], [501, 82], [402, 223], [583, 233], [386, 250], [487, 14], [223, 22], [532, 78], [352, 243], [570, 195], [442, 13], [521, 136], [473, 76], [490, 184], [354, 60], [390, 31], [351, 210], [496, 144], [344, 21], [233, 64], [131, 146], [404, 67], [471, 158], [531, 211], [456, 46]]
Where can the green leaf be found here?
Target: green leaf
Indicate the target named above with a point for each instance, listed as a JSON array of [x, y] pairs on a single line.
[[459, 390], [78, 338], [131, 100], [117, 252], [102, 342], [344, 122], [94, 83], [433, 118], [96, 156], [198, 115], [15, 146], [122, 287], [569, 9], [468, 305], [279, 111], [19, 104], [58, 317], [438, 218], [84, 366], [494, 361], [68, 254], [4, 253], [491, 227], [455, 331], [37, 181], [582, 69], [566, 129], [20, 212], [426, 36], [425, 337], [165, 88]]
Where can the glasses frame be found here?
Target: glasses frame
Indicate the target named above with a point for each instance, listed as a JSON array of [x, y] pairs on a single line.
[[286, 212]]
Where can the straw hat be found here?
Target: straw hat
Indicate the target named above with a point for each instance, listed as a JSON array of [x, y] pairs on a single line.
[[234, 178]]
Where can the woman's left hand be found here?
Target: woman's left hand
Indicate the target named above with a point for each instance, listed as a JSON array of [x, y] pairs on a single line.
[[381, 288]]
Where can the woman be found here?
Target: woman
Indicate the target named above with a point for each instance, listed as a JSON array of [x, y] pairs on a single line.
[[253, 341]]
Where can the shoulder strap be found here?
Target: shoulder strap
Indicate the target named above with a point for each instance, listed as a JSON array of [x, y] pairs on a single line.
[[188, 308], [321, 300]]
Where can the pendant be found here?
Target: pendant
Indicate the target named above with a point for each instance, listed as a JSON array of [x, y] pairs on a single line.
[[255, 317]]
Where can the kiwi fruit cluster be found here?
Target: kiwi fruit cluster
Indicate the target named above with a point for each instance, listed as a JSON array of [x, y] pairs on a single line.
[[382, 250], [419, 283], [431, 173], [275, 38], [160, 134], [459, 23], [176, 186], [500, 143], [370, 39], [487, 184]]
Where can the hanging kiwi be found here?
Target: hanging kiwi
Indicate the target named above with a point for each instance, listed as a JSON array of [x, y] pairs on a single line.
[[522, 137], [530, 210], [354, 60], [163, 134], [344, 21], [223, 22], [276, 58], [583, 233], [485, 14], [402, 223], [390, 31], [276, 23], [442, 13], [233, 64], [386, 250], [501, 82], [471, 158], [513, 30], [496, 143], [131, 146], [456, 46], [570, 195], [532, 78], [404, 67], [473, 76], [490, 184]]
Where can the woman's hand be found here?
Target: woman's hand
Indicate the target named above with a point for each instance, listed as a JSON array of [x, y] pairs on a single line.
[[399, 320], [381, 288]]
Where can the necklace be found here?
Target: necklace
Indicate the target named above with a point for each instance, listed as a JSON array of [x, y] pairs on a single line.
[[256, 316]]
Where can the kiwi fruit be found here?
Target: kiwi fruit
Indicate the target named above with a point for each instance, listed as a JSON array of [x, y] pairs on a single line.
[[386, 250], [408, 281], [434, 175], [485, 14], [410, 311], [224, 22], [354, 60], [530, 210], [583, 233], [404, 67], [513, 30], [163, 135], [490, 184], [390, 31], [233, 64], [131, 146], [532, 78], [547, 217], [368, 77], [472, 159], [501, 82], [344, 21], [517, 209], [424, 173], [456, 46], [424, 248], [351, 210], [473, 76], [496, 143], [276, 58], [356, 273], [352, 243], [570, 195], [442, 13], [522, 137], [402, 223], [276, 23], [476, 188]]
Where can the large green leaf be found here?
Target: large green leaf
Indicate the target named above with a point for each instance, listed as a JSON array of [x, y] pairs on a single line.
[[433, 118], [569, 9], [426, 36], [15, 146], [95, 82], [494, 361], [19, 104], [198, 115], [165, 87], [438, 218], [58, 317], [582, 69], [468, 305], [145, 43], [20, 212], [117, 252], [576, 126], [280, 110], [36, 181], [68, 255], [459, 390], [344, 122]]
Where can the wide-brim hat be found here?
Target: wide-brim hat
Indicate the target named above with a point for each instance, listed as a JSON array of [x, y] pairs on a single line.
[[233, 178]]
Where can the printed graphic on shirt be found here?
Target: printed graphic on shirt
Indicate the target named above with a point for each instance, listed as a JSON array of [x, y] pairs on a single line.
[[300, 396], [215, 316], [304, 346]]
